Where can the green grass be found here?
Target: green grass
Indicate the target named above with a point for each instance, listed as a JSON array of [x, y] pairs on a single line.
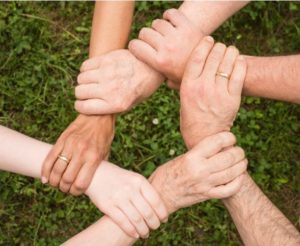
[[41, 48]]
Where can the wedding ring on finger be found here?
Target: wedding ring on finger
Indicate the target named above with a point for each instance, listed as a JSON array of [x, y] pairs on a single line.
[[223, 75], [63, 158]]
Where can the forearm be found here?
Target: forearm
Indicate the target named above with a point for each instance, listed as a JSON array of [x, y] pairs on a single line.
[[258, 221], [110, 31], [273, 77], [103, 232], [24, 155], [209, 15], [111, 26]]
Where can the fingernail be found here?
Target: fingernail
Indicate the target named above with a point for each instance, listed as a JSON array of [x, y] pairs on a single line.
[[209, 38], [136, 236], [44, 180], [165, 220]]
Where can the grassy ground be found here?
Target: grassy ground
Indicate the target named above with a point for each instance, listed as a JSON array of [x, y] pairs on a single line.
[[41, 48]]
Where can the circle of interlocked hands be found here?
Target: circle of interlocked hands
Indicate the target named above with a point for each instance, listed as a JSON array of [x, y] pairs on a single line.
[[213, 166]]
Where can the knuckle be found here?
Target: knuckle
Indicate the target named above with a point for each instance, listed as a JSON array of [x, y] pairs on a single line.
[[67, 179], [137, 219], [228, 157], [170, 47], [228, 174], [225, 193], [240, 152], [245, 164], [219, 141], [121, 105], [149, 215], [56, 171], [139, 180], [162, 60], [228, 137], [198, 56], [93, 155], [80, 185], [82, 145]]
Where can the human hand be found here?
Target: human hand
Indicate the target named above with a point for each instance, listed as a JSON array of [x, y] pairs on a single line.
[[167, 45], [212, 169], [128, 199], [210, 102], [85, 143], [114, 83]]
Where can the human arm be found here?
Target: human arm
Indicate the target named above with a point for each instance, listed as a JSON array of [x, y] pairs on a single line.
[[97, 96], [126, 197], [167, 45], [87, 140], [189, 179], [24, 155], [273, 77], [257, 219], [111, 26]]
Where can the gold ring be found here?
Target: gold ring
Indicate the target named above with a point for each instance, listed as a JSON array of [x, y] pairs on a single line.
[[224, 75], [63, 158]]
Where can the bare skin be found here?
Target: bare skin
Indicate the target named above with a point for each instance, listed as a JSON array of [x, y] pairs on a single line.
[[88, 138]]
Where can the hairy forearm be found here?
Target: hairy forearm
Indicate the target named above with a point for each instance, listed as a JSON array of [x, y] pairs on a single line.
[[273, 77], [24, 155], [209, 15], [268, 77], [111, 26], [258, 221]]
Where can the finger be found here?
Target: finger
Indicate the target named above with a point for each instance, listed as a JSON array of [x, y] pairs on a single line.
[[163, 27], [143, 52], [59, 167], [121, 220], [151, 196], [146, 211], [213, 62], [226, 66], [92, 63], [238, 76], [212, 145], [151, 37], [89, 91], [90, 76], [226, 159], [224, 191], [229, 174], [197, 60], [70, 173], [135, 218], [83, 178], [176, 17], [50, 160], [95, 107]]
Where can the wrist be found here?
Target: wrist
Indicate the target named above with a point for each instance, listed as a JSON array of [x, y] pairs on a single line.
[[246, 192], [192, 136]]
